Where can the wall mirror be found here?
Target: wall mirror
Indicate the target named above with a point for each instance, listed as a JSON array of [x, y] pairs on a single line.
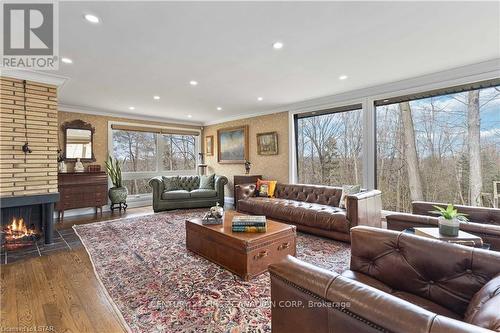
[[78, 141]]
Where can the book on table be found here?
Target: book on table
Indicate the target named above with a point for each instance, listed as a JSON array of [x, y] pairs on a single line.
[[249, 223]]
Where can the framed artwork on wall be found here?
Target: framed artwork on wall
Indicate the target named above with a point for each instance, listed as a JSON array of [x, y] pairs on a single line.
[[209, 145], [232, 145], [267, 143]]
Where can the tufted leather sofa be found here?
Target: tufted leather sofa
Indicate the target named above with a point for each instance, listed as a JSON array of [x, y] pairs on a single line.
[[313, 209], [189, 195], [484, 222], [397, 282]]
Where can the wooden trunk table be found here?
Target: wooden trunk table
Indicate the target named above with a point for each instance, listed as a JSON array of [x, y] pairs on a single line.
[[245, 254]]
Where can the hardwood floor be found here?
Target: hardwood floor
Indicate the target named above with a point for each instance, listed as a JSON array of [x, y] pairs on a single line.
[[58, 292]]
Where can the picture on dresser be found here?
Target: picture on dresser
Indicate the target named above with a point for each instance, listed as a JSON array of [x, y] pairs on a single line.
[[232, 145], [209, 145], [267, 143]]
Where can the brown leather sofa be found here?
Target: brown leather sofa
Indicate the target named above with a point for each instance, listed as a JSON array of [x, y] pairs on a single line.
[[313, 209], [484, 222], [397, 282]]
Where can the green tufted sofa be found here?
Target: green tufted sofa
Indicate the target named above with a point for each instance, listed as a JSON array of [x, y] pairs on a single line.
[[189, 196]]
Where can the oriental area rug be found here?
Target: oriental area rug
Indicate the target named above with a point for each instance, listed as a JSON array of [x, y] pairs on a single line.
[[157, 285]]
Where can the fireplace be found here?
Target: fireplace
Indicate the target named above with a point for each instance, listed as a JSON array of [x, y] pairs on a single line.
[[26, 218]]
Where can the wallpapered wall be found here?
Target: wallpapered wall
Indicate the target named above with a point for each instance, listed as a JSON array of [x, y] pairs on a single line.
[[274, 167], [101, 131]]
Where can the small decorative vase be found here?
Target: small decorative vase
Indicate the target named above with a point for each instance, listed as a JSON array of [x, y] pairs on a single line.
[[79, 166], [217, 211], [448, 227], [62, 167], [118, 195]]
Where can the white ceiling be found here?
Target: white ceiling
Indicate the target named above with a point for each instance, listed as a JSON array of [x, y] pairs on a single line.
[[143, 49]]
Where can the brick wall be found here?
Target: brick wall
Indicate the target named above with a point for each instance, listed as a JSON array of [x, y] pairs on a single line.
[[36, 172]]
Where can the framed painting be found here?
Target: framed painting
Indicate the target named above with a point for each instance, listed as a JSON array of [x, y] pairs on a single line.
[[209, 145], [267, 143], [232, 145]]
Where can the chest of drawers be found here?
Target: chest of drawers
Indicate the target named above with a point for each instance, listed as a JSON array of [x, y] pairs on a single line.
[[81, 190]]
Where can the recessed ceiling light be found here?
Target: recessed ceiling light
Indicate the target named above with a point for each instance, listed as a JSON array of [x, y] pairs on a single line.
[[260, 99], [219, 108], [386, 100], [193, 83], [67, 60], [342, 77], [277, 45], [131, 108], [156, 97], [92, 18], [190, 116]]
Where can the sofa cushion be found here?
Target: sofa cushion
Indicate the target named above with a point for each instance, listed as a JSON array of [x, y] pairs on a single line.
[[207, 182], [189, 183], [171, 183], [323, 195], [414, 299], [177, 194], [301, 213], [203, 193], [484, 306]]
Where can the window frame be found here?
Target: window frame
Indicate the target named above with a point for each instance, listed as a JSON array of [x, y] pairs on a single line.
[[328, 111], [435, 82], [148, 197]]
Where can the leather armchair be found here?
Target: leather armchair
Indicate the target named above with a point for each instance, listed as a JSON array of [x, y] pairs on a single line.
[[483, 222], [314, 209], [397, 282]]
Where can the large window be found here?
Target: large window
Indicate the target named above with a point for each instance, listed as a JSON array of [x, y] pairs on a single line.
[[329, 146], [147, 154], [443, 148]]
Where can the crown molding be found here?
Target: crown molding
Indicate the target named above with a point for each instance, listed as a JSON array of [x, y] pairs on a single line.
[[456, 76], [109, 113], [35, 76]]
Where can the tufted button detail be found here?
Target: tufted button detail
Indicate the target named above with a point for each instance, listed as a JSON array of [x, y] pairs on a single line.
[[469, 271], [431, 282], [397, 249]]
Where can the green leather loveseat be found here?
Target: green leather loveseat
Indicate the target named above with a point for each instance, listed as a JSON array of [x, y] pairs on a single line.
[[187, 194]]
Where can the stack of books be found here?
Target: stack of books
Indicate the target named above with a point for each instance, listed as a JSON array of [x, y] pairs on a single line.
[[247, 223]]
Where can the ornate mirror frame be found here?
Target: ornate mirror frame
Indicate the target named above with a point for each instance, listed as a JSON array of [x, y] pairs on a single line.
[[78, 124]]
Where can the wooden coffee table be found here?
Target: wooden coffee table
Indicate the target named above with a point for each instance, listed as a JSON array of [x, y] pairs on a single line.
[[245, 254]]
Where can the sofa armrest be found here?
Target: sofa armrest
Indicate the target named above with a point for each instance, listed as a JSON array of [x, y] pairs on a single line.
[[306, 298], [243, 191], [402, 221], [158, 187], [365, 208], [220, 183]]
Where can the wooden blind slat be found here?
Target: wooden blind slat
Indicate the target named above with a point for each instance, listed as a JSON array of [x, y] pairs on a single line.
[[179, 132], [135, 128], [154, 130]]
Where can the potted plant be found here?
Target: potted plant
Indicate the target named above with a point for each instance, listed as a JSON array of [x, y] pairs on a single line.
[[118, 193], [449, 220]]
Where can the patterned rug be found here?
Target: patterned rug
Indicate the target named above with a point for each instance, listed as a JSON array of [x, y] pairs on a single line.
[[159, 286]]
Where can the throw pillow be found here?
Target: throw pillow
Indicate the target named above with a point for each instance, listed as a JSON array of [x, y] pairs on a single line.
[[207, 182], [171, 183], [346, 190], [269, 190]]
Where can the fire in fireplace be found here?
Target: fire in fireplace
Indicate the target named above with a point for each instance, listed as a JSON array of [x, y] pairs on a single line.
[[19, 234]]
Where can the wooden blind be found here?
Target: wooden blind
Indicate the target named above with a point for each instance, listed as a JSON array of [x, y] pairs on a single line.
[[158, 130]]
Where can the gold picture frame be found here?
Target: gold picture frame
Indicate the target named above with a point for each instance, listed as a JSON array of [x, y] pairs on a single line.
[[209, 145], [267, 143], [232, 145]]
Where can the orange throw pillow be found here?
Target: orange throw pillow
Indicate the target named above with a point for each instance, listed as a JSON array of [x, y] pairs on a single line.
[[270, 184]]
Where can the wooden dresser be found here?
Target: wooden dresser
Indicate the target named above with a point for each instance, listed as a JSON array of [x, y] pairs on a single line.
[[81, 190]]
